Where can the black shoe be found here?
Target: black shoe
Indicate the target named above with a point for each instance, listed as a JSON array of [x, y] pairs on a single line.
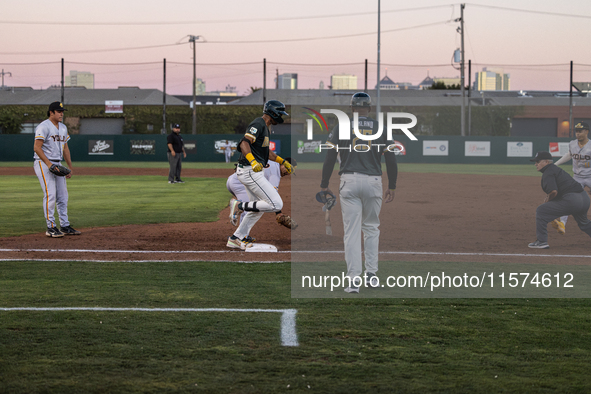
[[54, 232], [68, 230], [179, 181], [372, 281], [172, 182], [250, 239]]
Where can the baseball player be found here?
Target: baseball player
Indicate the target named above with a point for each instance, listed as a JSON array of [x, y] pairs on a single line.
[[51, 147], [580, 152], [565, 196], [228, 151], [361, 190], [273, 173], [254, 154]]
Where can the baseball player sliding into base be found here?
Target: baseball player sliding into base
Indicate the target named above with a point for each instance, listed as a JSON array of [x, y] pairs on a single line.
[[254, 155], [51, 147], [579, 151], [273, 173], [360, 190]]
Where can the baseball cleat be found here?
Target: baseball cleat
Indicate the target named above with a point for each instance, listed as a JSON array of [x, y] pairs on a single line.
[[179, 181], [235, 243], [250, 239], [539, 245], [559, 226], [235, 211], [171, 181], [372, 281], [54, 232], [352, 289], [68, 230]]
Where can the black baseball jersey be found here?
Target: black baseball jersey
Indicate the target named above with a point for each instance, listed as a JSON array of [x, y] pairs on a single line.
[[359, 155], [555, 178], [258, 130]]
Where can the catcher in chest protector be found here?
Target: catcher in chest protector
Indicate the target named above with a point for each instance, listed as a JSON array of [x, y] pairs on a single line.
[[262, 195], [51, 147]]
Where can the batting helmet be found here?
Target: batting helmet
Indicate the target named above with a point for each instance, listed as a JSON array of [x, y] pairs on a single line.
[[360, 99], [275, 109]]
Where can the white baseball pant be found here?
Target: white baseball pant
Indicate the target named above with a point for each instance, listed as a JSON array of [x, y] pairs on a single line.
[[361, 202], [584, 181], [262, 196], [55, 193]]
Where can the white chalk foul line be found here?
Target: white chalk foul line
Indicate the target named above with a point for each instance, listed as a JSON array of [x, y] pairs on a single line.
[[295, 251], [289, 335]]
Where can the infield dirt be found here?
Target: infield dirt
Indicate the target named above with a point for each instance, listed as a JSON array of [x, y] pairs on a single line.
[[452, 217]]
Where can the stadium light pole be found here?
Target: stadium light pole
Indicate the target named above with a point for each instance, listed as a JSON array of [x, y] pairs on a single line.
[[192, 40]]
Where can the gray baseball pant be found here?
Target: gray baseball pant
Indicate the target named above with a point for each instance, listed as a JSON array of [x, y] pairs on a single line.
[[575, 204], [175, 162]]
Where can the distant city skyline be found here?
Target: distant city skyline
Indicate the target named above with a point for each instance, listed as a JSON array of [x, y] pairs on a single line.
[[124, 43]]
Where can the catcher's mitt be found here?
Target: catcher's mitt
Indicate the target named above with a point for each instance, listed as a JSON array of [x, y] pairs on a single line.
[[327, 198], [286, 221], [59, 170]]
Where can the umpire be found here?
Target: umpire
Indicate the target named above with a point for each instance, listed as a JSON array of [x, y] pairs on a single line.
[[175, 148], [565, 196]]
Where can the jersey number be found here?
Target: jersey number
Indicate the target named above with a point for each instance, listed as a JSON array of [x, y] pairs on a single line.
[[366, 145]]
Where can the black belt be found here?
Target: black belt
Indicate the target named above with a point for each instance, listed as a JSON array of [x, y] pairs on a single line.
[[355, 173]]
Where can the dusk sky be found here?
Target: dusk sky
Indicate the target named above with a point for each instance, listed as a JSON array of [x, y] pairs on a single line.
[[109, 38]]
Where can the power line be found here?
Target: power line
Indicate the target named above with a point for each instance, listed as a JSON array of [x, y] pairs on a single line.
[[209, 21], [92, 50], [328, 37], [530, 11]]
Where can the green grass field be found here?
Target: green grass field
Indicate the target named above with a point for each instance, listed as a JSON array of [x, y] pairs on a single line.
[[345, 345], [363, 346]]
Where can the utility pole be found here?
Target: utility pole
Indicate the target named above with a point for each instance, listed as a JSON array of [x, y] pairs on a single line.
[[570, 103], [264, 81], [469, 97], [62, 100], [192, 40], [3, 74], [378, 87], [463, 120], [276, 78], [365, 90], [164, 100]]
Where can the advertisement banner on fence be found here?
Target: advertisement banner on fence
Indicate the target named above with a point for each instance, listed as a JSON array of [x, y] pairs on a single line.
[[308, 147], [142, 147], [520, 149], [558, 149], [477, 148], [435, 148], [100, 147]]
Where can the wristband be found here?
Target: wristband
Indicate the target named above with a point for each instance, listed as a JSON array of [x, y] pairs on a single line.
[[249, 157], [279, 160]]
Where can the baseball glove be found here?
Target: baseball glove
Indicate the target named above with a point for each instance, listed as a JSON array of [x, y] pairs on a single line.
[[286, 221], [59, 170], [327, 198]]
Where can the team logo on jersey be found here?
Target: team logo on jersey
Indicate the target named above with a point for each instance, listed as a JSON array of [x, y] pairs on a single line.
[[265, 142]]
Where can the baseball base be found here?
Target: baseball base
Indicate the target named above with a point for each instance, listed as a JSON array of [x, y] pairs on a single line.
[[258, 248]]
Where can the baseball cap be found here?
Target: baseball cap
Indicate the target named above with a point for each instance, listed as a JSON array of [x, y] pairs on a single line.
[[176, 126], [56, 106], [542, 156], [581, 126]]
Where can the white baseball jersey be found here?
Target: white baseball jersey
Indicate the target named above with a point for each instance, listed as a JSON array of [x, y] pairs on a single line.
[[53, 138], [581, 158]]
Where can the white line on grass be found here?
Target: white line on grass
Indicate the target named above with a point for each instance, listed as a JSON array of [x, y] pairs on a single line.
[[289, 335], [295, 251], [148, 261]]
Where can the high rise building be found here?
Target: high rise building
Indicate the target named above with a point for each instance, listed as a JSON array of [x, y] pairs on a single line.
[[80, 78], [199, 87], [492, 79], [343, 81], [287, 81]]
